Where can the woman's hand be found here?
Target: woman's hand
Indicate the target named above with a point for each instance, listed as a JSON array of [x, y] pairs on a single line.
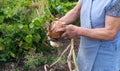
[[56, 25], [70, 31]]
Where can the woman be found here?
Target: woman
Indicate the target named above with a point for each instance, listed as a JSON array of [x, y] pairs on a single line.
[[100, 34]]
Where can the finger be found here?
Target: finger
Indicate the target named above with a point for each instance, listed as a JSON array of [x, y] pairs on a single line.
[[64, 26], [63, 23], [64, 35], [61, 29]]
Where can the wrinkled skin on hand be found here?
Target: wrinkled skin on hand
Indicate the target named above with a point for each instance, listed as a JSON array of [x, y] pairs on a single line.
[[52, 33], [70, 31]]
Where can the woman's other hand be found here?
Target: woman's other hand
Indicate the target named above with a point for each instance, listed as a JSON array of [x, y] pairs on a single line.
[[70, 31]]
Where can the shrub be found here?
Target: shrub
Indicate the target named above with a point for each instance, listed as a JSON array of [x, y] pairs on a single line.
[[22, 28]]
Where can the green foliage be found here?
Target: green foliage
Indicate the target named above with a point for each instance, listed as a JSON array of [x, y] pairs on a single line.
[[60, 7], [33, 60], [22, 28]]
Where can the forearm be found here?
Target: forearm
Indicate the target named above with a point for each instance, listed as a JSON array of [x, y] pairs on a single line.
[[99, 33], [70, 17]]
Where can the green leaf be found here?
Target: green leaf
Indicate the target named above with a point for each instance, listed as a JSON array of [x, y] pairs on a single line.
[[16, 69], [1, 40], [10, 28], [31, 25], [25, 29], [3, 57], [35, 23], [28, 38], [1, 48], [36, 37], [12, 54], [1, 19], [59, 9], [20, 26]]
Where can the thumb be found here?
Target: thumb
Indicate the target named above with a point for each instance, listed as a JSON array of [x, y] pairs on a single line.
[[64, 34], [61, 29]]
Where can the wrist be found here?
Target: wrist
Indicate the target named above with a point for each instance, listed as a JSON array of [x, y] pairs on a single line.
[[58, 22], [80, 31], [63, 21]]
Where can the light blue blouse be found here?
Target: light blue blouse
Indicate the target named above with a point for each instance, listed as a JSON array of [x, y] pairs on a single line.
[[97, 55]]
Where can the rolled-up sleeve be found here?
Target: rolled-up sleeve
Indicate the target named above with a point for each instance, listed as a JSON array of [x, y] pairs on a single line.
[[114, 9]]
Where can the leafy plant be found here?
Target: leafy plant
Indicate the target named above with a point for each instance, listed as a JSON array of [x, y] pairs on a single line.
[[33, 60], [22, 28], [60, 7], [23, 31]]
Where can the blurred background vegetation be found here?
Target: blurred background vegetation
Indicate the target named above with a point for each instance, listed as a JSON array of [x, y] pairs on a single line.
[[23, 31]]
